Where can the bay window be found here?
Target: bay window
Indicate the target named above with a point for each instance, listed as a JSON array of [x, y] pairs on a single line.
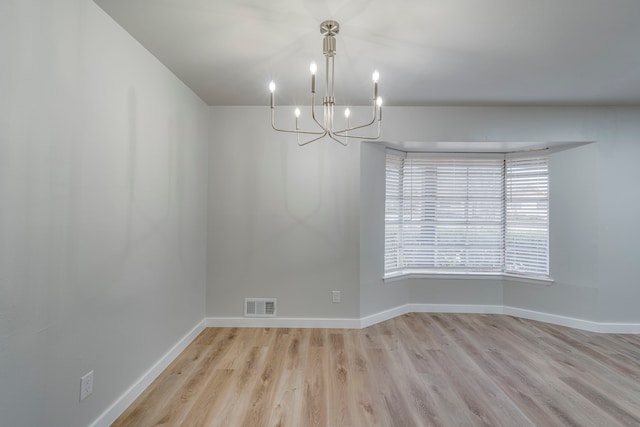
[[466, 213]]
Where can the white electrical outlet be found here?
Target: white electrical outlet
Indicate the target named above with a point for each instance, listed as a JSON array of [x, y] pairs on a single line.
[[336, 296], [86, 386]]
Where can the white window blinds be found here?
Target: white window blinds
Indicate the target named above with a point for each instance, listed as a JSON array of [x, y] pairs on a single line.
[[452, 214], [527, 216], [393, 214]]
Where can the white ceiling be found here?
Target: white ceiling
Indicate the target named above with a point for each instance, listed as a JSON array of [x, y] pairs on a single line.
[[428, 52]]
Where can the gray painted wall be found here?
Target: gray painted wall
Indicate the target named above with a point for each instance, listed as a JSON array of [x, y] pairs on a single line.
[[103, 177], [284, 220], [573, 240], [375, 295], [618, 212], [280, 214]]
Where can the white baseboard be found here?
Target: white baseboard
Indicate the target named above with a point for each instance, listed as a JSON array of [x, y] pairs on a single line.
[[620, 328], [281, 322], [384, 315], [455, 308], [123, 402], [300, 322], [572, 322]]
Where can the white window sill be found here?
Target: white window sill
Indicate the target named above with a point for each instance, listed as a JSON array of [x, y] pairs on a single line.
[[528, 279], [468, 276]]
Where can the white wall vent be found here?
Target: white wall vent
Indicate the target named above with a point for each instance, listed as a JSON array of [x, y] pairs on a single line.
[[260, 307]]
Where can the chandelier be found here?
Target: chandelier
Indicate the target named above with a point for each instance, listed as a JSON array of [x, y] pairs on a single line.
[[326, 125]]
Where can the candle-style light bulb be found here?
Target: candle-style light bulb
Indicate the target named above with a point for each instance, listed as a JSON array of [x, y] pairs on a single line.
[[379, 102], [347, 113], [272, 88], [296, 112], [313, 68], [375, 77]]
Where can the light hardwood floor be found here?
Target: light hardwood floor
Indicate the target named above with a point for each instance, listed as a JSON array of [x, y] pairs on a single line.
[[414, 370]]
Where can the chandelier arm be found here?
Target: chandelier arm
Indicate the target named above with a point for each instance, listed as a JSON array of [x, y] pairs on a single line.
[[325, 133], [376, 116], [299, 131], [273, 125], [359, 136], [334, 137], [349, 129], [356, 127]]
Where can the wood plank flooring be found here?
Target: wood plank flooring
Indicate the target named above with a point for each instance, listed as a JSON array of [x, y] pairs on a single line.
[[414, 370]]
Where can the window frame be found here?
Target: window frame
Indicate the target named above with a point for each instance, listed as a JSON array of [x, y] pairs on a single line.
[[401, 270]]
